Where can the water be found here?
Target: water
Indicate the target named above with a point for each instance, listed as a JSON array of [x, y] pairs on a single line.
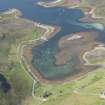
[[67, 19], [4, 85]]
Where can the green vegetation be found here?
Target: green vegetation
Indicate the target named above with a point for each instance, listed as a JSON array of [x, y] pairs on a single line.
[[84, 91], [13, 31], [36, 33]]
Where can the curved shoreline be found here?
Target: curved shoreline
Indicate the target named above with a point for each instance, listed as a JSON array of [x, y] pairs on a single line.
[[75, 4], [100, 46], [26, 58], [64, 3], [49, 32]]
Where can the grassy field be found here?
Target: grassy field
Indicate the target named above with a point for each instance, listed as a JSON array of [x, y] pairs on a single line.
[[12, 32]]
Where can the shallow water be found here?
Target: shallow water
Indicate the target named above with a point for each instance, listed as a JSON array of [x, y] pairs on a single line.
[[67, 19]]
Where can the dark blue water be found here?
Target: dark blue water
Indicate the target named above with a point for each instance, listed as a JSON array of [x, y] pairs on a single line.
[[4, 85], [43, 55]]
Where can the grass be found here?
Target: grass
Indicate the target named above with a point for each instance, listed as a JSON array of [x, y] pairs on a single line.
[[12, 32], [36, 33]]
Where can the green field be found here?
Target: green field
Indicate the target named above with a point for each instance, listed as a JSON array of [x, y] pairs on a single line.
[[84, 91]]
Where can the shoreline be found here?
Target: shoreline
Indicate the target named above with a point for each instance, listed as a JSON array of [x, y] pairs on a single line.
[[50, 3], [74, 37], [26, 60], [34, 73], [59, 3], [49, 32], [76, 5], [93, 15], [17, 13]]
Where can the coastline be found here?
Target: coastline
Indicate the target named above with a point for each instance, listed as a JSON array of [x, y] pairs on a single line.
[[26, 58], [48, 33], [59, 3], [49, 4], [34, 73], [17, 13], [72, 4], [31, 70]]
